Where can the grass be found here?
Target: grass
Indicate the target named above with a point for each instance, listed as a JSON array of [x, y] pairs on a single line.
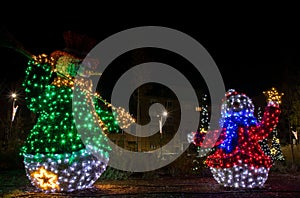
[[13, 180]]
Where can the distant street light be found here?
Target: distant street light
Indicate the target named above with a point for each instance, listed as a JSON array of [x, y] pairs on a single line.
[[14, 107], [164, 114]]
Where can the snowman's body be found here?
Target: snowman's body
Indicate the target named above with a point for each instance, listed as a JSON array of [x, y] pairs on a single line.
[[240, 161]]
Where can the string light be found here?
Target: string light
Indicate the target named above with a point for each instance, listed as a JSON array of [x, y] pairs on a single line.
[[274, 151], [238, 160], [56, 157], [64, 172], [204, 122]]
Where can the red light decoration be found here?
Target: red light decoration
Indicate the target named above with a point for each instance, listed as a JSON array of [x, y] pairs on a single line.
[[238, 160]]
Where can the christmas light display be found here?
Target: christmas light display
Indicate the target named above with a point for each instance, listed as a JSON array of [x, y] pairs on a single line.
[[275, 148], [265, 147], [273, 151], [204, 125], [238, 160], [56, 157], [204, 122]]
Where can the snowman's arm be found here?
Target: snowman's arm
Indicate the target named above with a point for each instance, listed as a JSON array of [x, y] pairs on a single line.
[[106, 116], [37, 77], [209, 139], [268, 122]]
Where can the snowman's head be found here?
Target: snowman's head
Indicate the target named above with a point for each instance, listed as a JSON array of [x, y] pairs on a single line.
[[66, 64], [74, 58], [236, 104]]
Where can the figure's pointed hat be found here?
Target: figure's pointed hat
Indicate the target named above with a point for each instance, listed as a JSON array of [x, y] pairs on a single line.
[[78, 44]]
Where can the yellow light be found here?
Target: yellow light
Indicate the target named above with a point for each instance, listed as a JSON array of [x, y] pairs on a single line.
[[273, 95], [46, 180], [198, 108], [203, 130], [273, 151]]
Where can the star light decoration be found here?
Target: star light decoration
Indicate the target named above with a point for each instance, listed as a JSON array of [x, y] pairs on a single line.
[[273, 95], [273, 151], [45, 179]]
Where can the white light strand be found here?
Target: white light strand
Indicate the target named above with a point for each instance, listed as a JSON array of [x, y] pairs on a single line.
[[79, 171]]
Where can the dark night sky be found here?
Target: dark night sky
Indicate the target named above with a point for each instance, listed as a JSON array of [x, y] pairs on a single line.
[[252, 54]]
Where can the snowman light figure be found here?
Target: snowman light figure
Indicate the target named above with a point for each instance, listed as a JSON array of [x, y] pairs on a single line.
[[238, 160], [56, 156]]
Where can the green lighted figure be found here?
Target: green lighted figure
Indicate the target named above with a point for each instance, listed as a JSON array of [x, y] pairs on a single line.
[[57, 158]]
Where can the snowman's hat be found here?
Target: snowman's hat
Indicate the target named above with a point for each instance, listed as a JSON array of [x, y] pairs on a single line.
[[77, 44]]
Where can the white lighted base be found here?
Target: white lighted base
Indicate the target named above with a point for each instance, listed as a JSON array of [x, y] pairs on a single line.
[[64, 172], [241, 176]]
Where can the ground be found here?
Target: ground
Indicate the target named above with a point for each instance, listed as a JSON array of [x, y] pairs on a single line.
[[15, 184]]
